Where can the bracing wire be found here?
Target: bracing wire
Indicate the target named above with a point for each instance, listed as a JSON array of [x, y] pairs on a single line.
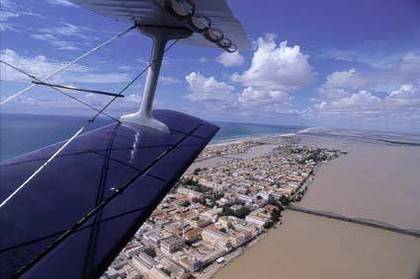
[[42, 166], [99, 92], [132, 81], [107, 42], [84, 127], [58, 90]]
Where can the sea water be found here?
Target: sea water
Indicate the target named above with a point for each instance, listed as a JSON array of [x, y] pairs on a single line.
[[21, 133]]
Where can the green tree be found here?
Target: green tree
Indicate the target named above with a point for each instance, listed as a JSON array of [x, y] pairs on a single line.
[[284, 200], [268, 225], [242, 212], [227, 211], [275, 215], [190, 182], [277, 204], [185, 203]]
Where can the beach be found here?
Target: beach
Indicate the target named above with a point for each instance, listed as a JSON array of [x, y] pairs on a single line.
[[375, 181]]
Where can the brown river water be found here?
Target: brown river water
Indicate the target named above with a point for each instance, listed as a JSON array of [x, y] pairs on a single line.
[[374, 181]]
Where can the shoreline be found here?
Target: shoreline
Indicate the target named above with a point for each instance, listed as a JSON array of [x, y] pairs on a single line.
[[252, 137], [255, 141], [293, 220], [214, 268], [230, 199]]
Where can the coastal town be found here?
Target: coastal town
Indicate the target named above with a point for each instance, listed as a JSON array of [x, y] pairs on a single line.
[[216, 210]]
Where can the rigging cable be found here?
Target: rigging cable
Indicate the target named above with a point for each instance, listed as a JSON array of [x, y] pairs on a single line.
[[58, 90], [86, 125], [68, 64], [42, 166], [76, 89], [132, 81]]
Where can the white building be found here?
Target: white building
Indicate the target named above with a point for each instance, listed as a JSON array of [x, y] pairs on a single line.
[[171, 244], [256, 220], [215, 238]]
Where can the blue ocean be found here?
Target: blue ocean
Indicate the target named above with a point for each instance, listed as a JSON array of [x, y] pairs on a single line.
[[21, 133]]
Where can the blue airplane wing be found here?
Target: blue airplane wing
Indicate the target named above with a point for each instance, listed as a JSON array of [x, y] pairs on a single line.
[[149, 13], [75, 216]]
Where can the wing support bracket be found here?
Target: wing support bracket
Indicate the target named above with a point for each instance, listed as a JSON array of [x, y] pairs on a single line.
[[160, 36]]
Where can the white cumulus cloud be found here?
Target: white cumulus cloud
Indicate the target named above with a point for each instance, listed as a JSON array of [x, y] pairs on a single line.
[[208, 88], [230, 59], [397, 105], [350, 79], [255, 97], [277, 67], [407, 97], [342, 83], [361, 102]]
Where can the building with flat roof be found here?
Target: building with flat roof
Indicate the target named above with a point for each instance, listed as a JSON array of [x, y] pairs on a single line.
[[175, 270], [215, 238], [191, 194], [212, 214], [143, 263], [156, 273], [171, 244], [256, 220]]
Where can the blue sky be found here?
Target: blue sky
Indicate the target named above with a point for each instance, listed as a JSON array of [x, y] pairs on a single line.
[[338, 63]]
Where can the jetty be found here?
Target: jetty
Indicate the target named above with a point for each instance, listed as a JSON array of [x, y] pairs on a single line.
[[356, 220]]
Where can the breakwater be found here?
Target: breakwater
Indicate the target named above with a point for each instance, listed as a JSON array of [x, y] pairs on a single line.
[[360, 221]]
